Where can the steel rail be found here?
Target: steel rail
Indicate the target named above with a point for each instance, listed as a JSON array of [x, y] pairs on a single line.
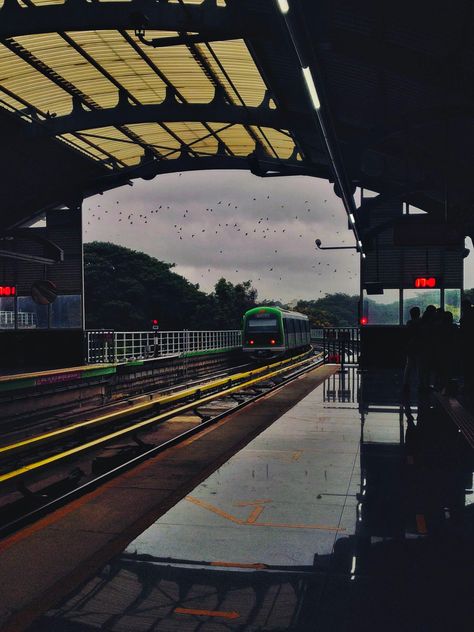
[[137, 408], [22, 471], [60, 501]]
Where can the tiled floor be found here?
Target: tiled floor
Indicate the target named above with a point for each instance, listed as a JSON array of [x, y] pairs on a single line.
[[338, 517]]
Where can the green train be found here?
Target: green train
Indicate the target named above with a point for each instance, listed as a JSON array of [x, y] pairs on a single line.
[[270, 332]]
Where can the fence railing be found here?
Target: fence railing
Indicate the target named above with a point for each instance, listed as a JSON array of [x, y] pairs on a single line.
[[341, 344], [125, 346]]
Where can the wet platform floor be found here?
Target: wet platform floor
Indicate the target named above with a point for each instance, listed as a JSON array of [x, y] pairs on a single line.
[[340, 516]]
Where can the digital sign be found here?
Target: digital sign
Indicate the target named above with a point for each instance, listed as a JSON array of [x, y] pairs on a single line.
[[7, 290], [426, 282]]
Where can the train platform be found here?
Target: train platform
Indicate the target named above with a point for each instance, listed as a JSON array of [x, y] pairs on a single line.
[[310, 510]]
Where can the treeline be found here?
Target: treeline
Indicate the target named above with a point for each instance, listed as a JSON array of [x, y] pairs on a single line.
[[126, 289]]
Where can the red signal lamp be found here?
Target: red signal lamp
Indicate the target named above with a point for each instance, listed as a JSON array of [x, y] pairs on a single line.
[[425, 282], [251, 342], [364, 320], [272, 341], [7, 290]]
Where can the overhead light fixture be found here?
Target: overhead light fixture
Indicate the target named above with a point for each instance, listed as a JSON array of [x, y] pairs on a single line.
[[359, 243], [308, 77], [363, 255], [283, 6], [352, 218]]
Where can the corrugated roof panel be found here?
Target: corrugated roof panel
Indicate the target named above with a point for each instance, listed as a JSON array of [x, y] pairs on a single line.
[[196, 135], [117, 57], [57, 54], [235, 59], [236, 138], [113, 141], [84, 146], [277, 144], [21, 79], [180, 68]]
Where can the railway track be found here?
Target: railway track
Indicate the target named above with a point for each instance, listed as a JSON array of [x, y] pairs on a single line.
[[41, 472]]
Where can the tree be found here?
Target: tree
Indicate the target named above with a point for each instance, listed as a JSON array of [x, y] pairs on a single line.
[[125, 289], [232, 301]]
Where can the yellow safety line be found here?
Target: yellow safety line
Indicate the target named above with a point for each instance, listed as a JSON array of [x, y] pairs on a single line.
[[141, 424], [71, 369], [167, 399]]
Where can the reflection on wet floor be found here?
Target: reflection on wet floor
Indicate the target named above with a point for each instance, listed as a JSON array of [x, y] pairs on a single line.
[[346, 514]]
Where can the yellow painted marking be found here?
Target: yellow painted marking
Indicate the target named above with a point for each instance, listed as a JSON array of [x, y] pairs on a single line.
[[256, 565], [254, 515], [421, 523], [296, 455], [213, 509], [247, 522], [158, 400], [287, 525], [124, 431], [208, 613], [253, 502]]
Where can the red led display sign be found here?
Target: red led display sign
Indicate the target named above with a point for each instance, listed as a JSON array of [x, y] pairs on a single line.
[[426, 282], [7, 290]]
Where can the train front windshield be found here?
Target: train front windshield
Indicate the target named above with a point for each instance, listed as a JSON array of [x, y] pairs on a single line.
[[262, 326]]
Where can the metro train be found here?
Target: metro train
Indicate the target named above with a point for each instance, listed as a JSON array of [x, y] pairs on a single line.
[[271, 332]]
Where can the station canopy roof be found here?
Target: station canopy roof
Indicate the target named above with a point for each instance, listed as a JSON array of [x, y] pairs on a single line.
[[96, 93]]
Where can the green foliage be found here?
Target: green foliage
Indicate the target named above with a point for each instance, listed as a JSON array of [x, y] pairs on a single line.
[[232, 301], [336, 310], [126, 289]]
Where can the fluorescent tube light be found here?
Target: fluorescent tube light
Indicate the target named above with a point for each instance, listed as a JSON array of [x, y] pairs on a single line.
[[308, 77], [283, 6], [363, 255], [359, 243], [352, 218]]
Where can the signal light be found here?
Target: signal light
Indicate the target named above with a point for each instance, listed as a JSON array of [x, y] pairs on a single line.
[[423, 282], [272, 341], [154, 323], [364, 320], [7, 290], [251, 342]]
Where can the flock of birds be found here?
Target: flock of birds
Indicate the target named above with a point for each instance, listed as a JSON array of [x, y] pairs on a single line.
[[264, 227]]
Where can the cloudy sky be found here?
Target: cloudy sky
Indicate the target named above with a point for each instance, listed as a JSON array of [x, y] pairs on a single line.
[[236, 225]]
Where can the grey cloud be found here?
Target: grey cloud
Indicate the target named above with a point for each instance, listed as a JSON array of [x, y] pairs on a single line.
[[298, 269]]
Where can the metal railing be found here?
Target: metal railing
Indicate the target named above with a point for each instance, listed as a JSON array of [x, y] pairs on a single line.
[[341, 344], [125, 346]]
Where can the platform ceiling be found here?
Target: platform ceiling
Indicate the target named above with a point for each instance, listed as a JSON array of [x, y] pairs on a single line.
[[86, 105]]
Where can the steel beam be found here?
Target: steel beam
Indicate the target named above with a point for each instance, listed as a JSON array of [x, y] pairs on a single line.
[[268, 167], [78, 15], [169, 111]]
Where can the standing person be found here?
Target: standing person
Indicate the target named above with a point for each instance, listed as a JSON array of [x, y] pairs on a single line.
[[448, 351], [413, 346], [428, 347]]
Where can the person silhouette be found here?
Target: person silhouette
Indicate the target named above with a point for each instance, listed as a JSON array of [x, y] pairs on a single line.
[[413, 347]]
